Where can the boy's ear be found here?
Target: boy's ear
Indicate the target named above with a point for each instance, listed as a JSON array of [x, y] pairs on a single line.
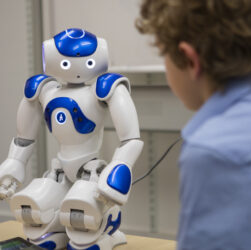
[[194, 65]]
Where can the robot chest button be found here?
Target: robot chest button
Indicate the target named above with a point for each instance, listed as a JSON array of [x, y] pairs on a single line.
[[60, 117]]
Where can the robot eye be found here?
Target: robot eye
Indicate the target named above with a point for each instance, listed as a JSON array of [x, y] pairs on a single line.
[[65, 64], [90, 64]]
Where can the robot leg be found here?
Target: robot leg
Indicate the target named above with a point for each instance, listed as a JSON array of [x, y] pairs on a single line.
[[37, 207], [91, 222]]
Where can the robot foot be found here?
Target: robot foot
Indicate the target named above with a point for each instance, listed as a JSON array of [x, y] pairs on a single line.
[[106, 242], [51, 241]]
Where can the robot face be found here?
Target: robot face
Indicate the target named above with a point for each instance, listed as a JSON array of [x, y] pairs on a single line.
[[75, 56]]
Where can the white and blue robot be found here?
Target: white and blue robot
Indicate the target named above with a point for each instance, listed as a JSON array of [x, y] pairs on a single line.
[[77, 202]]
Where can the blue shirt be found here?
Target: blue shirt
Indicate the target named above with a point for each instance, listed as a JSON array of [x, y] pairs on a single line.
[[215, 173]]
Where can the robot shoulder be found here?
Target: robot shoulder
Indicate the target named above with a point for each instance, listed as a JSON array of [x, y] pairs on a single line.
[[107, 83], [34, 85]]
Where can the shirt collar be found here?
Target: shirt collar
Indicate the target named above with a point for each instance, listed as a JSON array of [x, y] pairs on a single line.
[[218, 103]]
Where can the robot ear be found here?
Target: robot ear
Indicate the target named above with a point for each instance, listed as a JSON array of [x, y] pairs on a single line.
[[103, 44], [103, 48], [49, 53]]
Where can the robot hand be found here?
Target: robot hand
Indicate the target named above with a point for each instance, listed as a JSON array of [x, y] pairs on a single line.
[[12, 170], [115, 182], [7, 188], [11, 176]]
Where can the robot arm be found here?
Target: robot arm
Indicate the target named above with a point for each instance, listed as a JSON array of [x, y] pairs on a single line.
[[115, 179], [12, 170]]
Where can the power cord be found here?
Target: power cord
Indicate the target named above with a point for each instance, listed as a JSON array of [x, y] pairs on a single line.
[[157, 163]]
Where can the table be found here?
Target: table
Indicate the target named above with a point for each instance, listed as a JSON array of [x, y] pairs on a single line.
[[12, 229]]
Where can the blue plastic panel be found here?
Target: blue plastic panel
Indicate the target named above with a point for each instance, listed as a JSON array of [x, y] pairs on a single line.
[[82, 124], [104, 84], [76, 43], [120, 178], [32, 85], [115, 224]]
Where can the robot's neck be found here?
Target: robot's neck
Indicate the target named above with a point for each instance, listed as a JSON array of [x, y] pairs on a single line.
[[75, 85]]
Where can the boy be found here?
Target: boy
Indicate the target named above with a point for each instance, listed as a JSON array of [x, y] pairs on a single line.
[[207, 49]]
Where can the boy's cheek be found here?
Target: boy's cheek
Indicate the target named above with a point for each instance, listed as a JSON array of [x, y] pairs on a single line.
[[181, 84]]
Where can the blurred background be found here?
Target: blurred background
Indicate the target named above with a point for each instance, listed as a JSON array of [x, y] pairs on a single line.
[[153, 206]]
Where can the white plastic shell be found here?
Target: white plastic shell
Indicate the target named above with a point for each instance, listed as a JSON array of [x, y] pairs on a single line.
[[13, 169], [20, 153], [29, 118], [124, 114], [129, 152], [78, 71], [43, 196], [14, 165], [34, 233], [83, 196]]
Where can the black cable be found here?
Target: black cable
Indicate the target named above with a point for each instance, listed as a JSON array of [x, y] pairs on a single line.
[[157, 163]]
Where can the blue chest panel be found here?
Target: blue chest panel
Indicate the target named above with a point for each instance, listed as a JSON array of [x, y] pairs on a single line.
[[76, 43], [82, 124], [105, 82], [32, 85], [115, 224], [120, 178]]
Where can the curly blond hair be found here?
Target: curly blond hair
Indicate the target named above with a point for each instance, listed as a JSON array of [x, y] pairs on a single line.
[[219, 30]]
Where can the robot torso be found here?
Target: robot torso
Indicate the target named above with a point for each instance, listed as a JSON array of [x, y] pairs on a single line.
[[74, 116]]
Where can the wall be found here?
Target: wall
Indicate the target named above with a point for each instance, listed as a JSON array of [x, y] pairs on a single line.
[[20, 58]]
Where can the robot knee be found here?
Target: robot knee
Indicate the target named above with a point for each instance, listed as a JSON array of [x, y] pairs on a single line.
[[37, 204], [81, 209]]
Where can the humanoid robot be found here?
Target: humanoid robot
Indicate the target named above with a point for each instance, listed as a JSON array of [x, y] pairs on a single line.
[[77, 202]]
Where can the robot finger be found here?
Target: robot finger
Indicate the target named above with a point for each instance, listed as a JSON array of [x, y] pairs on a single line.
[[12, 189], [8, 188], [3, 193], [6, 182]]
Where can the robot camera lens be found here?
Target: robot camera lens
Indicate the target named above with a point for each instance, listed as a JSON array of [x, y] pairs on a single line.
[[65, 64], [90, 63]]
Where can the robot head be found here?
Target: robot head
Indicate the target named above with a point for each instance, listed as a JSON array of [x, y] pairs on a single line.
[[75, 56]]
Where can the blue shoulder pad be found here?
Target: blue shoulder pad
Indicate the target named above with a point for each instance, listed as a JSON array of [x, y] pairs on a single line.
[[106, 84], [34, 84], [76, 43]]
